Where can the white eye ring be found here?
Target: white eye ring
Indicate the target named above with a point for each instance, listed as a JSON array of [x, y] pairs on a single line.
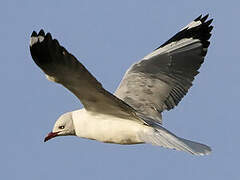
[[61, 127]]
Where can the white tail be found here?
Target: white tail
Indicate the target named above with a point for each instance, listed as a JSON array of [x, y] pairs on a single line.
[[162, 137]]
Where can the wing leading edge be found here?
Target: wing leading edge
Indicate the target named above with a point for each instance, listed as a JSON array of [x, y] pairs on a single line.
[[161, 79], [62, 67]]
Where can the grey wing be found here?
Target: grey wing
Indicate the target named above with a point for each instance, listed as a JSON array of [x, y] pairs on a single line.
[[161, 79], [62, 67]]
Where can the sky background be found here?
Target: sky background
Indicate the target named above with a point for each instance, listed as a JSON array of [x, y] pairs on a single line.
[[107, 37]]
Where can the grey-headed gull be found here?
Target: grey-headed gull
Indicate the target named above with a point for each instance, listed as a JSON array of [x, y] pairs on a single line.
[[131, 115]]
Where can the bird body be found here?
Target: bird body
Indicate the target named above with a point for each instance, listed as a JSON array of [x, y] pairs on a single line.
[[131, 115], [107, 128]]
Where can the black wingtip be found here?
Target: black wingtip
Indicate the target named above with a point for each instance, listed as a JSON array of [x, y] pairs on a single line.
[[201, 31], [198, 18], [41, 33], [34, 34], [48, 36], [204, 18], [209, 22], [210, 28]]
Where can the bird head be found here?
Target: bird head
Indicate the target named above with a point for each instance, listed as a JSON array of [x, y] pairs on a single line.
[[63, 127]]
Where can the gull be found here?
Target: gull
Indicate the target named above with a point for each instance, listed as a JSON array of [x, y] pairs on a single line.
[[132, 115]]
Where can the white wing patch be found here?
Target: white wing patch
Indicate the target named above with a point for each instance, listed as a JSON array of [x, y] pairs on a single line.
[[192, 25], [172, 47], [34, 40], [51, 78], [40, 38]]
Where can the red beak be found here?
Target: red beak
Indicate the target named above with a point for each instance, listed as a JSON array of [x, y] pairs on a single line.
[[50, 136]]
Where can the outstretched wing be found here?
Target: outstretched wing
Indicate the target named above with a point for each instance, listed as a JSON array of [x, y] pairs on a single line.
[[161, 79], [62, 67]]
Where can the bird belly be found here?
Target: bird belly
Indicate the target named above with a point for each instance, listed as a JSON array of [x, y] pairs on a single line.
[[106, 128]]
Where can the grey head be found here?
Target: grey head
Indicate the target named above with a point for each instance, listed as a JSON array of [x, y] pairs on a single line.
[[63, 127]]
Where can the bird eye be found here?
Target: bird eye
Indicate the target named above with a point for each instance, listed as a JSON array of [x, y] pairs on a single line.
[[61, 127]]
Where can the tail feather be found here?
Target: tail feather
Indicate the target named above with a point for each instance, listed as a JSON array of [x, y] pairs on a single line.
[[199, 148], [162, 137]]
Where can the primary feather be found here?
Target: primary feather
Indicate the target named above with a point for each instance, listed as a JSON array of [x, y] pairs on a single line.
[[161, 79]]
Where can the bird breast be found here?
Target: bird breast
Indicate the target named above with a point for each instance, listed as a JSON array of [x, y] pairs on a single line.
[[107, 128]]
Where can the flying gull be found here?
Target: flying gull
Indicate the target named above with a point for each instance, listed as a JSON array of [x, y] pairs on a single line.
[[131, 115]]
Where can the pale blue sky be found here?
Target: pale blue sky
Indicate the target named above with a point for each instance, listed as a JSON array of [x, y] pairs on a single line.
[[107, 37]]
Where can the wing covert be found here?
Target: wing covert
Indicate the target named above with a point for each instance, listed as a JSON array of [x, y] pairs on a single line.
[[62, 67], [161, 79]]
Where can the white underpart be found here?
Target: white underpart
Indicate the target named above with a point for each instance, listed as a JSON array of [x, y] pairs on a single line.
[[107, 128], [192, 25], [111, 129]]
